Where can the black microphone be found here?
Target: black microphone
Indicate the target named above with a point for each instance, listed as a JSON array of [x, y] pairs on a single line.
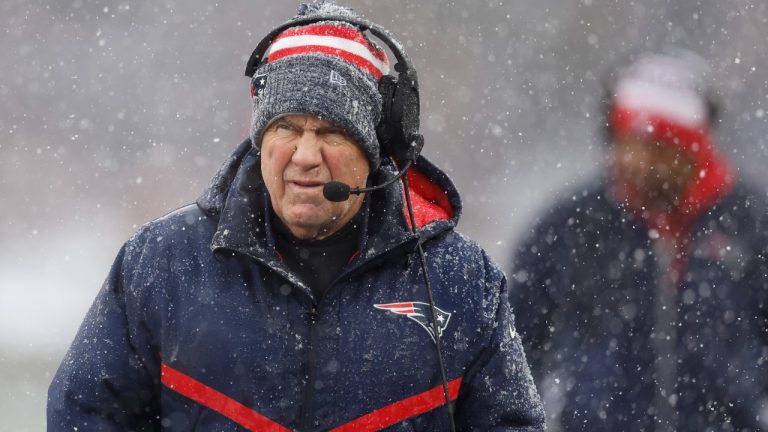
[[338, 191]]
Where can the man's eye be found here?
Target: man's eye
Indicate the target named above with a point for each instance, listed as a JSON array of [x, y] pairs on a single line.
[[335, 138], [285, 130]]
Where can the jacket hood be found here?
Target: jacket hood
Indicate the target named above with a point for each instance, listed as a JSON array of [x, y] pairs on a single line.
[[238, 197]]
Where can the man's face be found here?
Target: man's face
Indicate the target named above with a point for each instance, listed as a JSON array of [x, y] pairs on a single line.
[[658, 171], [299, 154]]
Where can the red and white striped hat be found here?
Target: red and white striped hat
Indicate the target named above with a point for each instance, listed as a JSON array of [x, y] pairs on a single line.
[[334, 39], [663, 96], [329, 69]]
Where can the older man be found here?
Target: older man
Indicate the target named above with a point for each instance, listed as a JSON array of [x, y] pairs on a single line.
[[268, 307]]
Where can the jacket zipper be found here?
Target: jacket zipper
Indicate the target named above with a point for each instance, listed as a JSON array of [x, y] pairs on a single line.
[[308, 407]]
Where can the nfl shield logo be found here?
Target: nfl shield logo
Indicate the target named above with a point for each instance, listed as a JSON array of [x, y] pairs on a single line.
[[258, 85]]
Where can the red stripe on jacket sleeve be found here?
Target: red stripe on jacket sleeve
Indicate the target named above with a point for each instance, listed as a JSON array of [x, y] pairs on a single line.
[[217, 401], [401, 410]]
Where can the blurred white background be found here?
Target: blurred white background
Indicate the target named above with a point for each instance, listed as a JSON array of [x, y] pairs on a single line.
[[113, 113]]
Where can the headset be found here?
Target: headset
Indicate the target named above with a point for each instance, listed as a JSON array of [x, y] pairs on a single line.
[[397, 133]]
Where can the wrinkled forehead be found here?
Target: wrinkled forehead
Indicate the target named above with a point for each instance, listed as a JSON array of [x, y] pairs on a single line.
[[306, 121]]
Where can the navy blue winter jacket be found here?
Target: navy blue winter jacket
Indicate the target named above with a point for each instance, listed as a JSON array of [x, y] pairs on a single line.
[[201, 326], [604, 337]]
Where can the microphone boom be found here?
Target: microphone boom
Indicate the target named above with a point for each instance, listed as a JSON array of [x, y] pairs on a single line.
[[338, 191]]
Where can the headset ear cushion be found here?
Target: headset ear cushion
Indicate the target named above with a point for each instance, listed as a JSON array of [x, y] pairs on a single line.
[[399, 124], [384, 130]]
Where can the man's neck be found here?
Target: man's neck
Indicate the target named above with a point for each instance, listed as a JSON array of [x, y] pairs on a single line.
[[317, 262]]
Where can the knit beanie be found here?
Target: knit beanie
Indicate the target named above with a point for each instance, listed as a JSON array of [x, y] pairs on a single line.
[[329, 69], [659, 92]]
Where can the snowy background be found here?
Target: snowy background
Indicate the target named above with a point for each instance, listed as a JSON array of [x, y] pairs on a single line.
[[113, 113]]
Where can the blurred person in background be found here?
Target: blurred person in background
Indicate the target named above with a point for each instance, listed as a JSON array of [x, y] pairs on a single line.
[[641, 298], [271, 304]]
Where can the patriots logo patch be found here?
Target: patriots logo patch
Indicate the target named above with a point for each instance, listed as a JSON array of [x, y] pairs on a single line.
[[419, 312]]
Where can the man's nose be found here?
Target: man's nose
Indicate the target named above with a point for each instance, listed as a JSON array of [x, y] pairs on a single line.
[[308, 152]]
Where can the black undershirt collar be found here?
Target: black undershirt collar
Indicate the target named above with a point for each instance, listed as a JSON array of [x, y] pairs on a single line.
[[317, 262]]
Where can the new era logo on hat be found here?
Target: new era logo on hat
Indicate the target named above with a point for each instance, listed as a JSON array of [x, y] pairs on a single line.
[[339, 40], [335, 78]]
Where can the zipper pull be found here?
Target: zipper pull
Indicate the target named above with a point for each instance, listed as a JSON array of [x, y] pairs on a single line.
[[313, 314]]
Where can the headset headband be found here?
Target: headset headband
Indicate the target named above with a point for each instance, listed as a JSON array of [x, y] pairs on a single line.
[[403, 61]]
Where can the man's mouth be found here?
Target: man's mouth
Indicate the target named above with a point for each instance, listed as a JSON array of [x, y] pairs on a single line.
[[306, 183]]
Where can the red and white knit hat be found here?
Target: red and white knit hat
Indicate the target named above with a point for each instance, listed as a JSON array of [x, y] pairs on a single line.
[[329, 69], [662, 97]]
